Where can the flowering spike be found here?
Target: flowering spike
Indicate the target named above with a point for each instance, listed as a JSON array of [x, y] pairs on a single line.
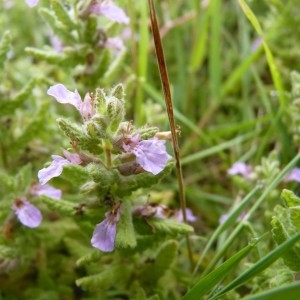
[[105, 233], [28, 214]]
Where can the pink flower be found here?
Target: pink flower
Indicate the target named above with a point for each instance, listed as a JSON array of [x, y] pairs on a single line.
[[150, 154], [294, 175], [105, 232], [32, 3], [110, 11], [240, 168], [56, 167], [46, 190], [63, 95], [28, 214]]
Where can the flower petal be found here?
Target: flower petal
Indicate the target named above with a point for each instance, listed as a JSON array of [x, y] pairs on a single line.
[[110, 11], [104, 236], [54, 170], [32, 3], [86, 108], [46, 190], [152, 155], [105, 233], [73, 158], [28, 214], [294, 175], [240, 168], [63, 95]]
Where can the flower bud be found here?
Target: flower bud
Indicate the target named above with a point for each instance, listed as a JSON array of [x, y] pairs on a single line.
[[118, 92], [115, 111], [100, 99]]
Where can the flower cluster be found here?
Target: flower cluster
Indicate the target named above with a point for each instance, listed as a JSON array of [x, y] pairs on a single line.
[[119, 145]]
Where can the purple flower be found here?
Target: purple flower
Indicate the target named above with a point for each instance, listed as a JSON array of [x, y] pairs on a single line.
[[28, 214], [105, 232], [46, 190], [110, 11], [56, 167], [224, 217], [114, 43], [32, 3], [190, 217], [240, 168], [294, 175], [63, 95], [56, 43], [150, 154]]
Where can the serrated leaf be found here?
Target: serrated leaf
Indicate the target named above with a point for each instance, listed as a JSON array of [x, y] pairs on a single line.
[[50, 56], [281, 235], [75, 174], [57, 27], [169, 227], [295, 216], [65, 208], [75, 248], [89, 258], [102, 280], [62, 15], [125, 232], [290, 198], [165, 256]]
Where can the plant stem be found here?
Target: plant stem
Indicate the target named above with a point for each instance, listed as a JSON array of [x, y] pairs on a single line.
[[168, 99]]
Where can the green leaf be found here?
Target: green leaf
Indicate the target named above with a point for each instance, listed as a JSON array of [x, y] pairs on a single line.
[[207, 283], [57, 27], [281, 231], [104, 280], [75, 174], [125, 231], [169, 227], [49, 56], [65, 208], [62, 15], [290, 198], [23, 179], [7, 183], [163, 260], [289, 292], [89, 258], [259, 266], [4, 48]]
